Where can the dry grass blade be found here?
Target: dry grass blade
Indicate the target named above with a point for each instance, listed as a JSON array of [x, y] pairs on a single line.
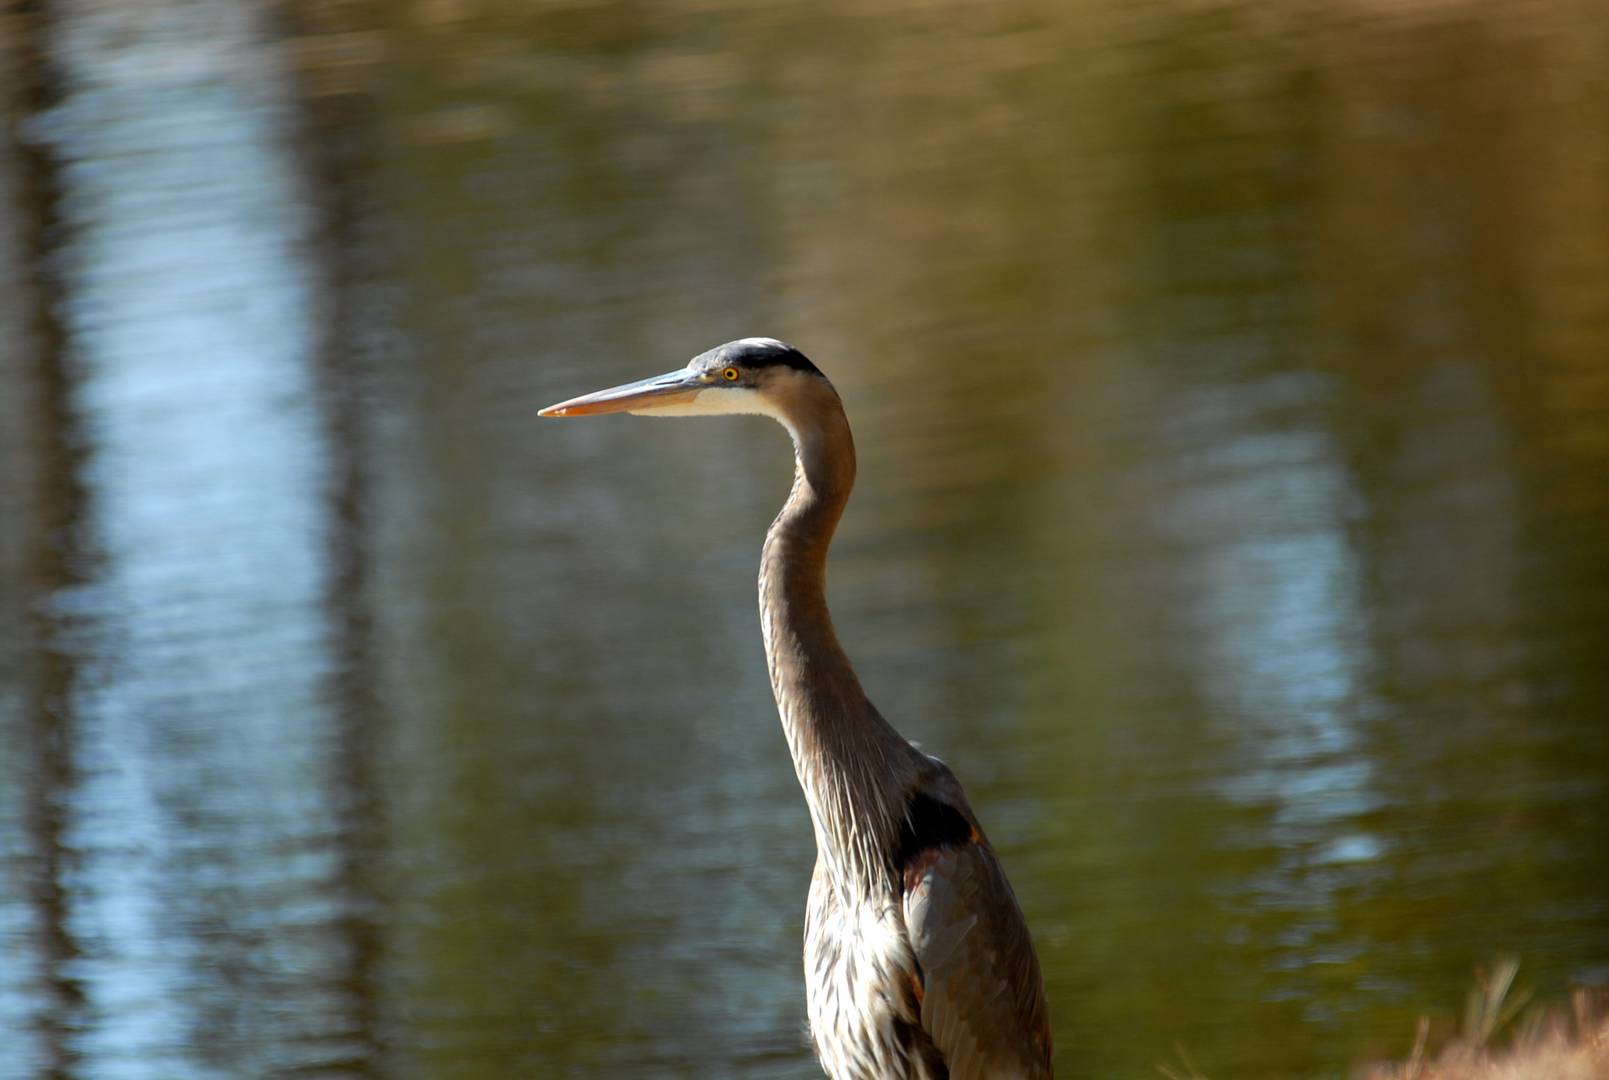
[[1545, 1045], [1492, 1004], [1190, 1072]]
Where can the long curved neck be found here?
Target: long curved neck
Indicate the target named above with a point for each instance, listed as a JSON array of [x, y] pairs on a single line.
[[851, 764]]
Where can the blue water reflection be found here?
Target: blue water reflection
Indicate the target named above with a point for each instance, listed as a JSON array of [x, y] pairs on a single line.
[[203, 819]]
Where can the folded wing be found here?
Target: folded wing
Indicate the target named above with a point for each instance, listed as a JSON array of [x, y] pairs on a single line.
[[982, 998]]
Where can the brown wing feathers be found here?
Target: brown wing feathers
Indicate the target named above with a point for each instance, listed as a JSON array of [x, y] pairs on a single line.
[[980, 995]]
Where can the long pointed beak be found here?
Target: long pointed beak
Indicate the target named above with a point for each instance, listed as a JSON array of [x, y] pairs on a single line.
[[642, 396]]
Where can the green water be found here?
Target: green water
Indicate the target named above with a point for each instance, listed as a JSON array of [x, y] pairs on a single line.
[[1231, 385]]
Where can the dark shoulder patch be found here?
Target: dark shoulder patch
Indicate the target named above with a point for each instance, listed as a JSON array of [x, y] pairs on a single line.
[[929, 824]]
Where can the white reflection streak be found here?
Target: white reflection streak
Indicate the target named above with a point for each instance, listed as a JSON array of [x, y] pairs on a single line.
[[1283, 643], [199, 708]]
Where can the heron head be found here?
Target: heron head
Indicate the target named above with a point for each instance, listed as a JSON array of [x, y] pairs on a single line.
[[750, 375]]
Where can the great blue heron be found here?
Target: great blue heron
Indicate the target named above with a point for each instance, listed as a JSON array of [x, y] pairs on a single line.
[[917, 960]]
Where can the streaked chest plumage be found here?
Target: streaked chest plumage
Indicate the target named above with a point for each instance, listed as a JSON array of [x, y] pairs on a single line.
[[861, 988]]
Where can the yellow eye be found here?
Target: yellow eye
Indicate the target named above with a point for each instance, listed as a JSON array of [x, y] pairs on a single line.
[[730, 374]]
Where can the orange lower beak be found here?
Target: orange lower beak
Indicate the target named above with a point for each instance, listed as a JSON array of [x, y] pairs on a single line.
[[643, 396]]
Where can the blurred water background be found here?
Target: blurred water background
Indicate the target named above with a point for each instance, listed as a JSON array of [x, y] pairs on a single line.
[[1232, 389]]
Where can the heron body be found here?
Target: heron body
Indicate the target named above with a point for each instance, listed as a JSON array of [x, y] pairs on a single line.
[[918, 964]]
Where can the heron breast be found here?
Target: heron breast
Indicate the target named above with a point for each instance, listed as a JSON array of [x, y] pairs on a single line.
[[861, 989]]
